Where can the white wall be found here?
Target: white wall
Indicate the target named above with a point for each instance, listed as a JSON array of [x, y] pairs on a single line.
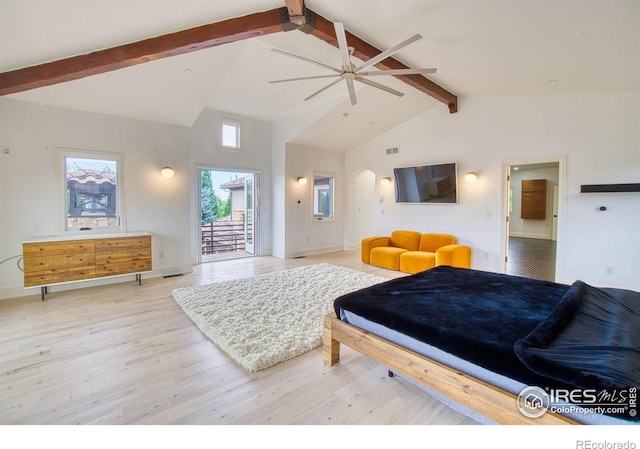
[[303, 234], [360, 209], [284, 132], [599, 135], [30, 198], [254, 156]]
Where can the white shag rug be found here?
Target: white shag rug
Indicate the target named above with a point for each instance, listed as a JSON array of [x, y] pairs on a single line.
[[269, 318]]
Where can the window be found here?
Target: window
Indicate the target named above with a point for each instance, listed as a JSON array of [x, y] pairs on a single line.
[[323, 197], [92, 191], [230, 134]]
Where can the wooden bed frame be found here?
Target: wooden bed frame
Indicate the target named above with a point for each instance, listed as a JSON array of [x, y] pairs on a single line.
[[490, 401]]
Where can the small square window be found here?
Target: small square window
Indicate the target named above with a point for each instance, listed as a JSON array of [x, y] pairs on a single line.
[[230, 134]]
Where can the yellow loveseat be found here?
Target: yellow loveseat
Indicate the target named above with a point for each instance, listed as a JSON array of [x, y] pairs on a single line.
[[412, 252]]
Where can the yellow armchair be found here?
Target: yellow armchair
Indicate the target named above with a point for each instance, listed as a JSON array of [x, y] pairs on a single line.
[[369, 243], [385, 251], [454, 256]]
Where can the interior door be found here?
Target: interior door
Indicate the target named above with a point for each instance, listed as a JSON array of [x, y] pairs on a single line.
[[508, 199], [554, 229], [249, 214]]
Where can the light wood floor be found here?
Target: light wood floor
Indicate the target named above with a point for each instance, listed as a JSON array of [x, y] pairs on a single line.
[[127, 354]]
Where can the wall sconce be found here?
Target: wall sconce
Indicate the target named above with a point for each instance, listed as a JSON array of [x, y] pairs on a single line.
[[385, 181], [167, 172], [302, 180], [471, 177]]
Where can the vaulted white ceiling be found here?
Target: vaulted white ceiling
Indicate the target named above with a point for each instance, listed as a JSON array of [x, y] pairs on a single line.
[[479, 47]]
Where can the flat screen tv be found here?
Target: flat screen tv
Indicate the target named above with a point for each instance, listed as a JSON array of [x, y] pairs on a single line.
[[426, 184]]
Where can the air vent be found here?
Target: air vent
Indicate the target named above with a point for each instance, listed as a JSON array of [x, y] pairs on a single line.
[[393, 150]]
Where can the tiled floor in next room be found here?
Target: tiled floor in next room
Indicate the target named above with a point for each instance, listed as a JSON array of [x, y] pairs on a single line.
[[532, 258]]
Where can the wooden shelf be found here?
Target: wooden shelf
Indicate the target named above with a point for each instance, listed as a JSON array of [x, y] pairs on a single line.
[[607, 188]]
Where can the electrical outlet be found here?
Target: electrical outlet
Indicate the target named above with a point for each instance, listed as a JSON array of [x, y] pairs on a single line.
[[608, 271], [6, 150]]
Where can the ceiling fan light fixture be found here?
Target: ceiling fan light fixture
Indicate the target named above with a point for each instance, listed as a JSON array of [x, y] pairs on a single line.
[[350, 73]]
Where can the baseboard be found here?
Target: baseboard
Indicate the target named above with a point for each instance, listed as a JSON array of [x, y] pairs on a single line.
[[170, 271], [17, 292], [526, 235], [312, 251]]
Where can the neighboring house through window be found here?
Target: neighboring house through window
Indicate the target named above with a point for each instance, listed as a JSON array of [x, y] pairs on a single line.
[[92, 190]]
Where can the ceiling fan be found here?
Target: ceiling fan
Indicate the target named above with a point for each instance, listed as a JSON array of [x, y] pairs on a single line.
[[349, 72]]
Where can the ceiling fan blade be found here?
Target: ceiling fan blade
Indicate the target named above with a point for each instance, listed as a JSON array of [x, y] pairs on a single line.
[[302, 58], [398, 72], [323, 89], [342, 44], [303, 78], [352, 92], [385, 54], [379, 86]]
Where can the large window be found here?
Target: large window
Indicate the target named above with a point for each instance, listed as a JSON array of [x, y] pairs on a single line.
[[92, 190], [323, 197]]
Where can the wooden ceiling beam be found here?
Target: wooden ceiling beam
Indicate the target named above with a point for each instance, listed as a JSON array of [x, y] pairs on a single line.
[[293, 16], [173, 44], [323, 29], [295, 7]]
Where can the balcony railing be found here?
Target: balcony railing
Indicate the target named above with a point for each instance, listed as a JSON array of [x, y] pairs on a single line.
[[223, 236]]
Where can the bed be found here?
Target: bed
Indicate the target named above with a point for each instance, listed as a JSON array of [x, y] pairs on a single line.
[[478, 340]]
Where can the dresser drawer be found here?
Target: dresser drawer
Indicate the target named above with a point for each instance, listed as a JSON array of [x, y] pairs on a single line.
[[30, 250], [48, 263], [111, 268], [123, 243], [54, 276]]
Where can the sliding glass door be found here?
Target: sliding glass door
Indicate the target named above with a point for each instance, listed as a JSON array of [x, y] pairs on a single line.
[[249, 213], [228, 202]]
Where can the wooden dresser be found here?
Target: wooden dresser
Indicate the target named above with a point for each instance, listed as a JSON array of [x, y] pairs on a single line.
[[50, 261], [534, 199]]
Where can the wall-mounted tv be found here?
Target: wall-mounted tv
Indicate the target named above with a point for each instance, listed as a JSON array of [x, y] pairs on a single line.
[[426, 184]]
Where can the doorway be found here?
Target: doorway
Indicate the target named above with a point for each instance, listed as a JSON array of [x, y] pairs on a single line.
[[228, 214], [532, 198], [364, 195]]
